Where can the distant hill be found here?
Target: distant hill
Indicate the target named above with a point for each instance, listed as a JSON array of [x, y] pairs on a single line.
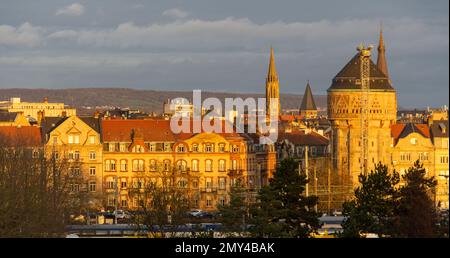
[[145, 100]]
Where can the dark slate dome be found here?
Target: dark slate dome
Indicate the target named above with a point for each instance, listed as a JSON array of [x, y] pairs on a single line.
[[349, 77]]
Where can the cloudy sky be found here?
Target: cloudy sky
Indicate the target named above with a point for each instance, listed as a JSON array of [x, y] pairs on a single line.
[[220, 45]]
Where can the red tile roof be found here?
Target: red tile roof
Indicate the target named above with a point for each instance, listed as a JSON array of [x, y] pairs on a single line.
[[301, 138], [424, 129], [26, 136], [149, 130], [402, 130], [396, 130]]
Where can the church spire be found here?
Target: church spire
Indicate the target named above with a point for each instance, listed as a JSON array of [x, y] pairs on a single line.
[[272, 88], [381, 61], [272, 73]]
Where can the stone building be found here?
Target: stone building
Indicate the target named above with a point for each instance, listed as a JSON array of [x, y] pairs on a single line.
[[344, 113]]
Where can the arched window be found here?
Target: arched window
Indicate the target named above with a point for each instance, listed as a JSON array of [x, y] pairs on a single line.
[[181, 165], [180, 148], [208, 165], [209, 147], [194, 165], [222, 165], [166, 165]]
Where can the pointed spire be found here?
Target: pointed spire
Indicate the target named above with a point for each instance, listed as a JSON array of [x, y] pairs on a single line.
[[381, 61], [308, 102], [272, 73]]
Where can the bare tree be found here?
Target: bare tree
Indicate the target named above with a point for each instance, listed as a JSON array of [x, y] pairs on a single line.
[[36, 192], [164, 197]]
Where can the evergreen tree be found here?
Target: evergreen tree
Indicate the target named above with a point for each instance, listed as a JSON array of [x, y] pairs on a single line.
[[373, 209], [235, 213], [283, 210], [417, 215]]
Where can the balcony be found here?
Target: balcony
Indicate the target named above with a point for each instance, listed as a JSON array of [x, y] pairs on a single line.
[[208, 190]]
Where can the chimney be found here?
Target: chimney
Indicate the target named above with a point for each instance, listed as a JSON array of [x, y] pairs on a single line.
[[64, 114], [96, 114]]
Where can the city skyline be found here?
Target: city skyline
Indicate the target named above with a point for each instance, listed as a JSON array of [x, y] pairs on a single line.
[[169, 45]]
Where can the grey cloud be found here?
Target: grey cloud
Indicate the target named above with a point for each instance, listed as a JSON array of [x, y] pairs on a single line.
[[75, 9], [24, 35], [176, 13]]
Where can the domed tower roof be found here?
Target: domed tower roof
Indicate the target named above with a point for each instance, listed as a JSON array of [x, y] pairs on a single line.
[[350, 76]]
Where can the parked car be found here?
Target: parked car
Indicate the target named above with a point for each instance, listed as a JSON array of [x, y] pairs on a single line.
[[121, 214], [195, 213]]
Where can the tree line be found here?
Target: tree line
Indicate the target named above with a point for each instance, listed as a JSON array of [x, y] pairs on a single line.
[[36, 200]]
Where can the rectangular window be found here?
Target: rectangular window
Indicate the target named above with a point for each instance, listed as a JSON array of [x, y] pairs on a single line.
[[222, 200], [92, 139], [76, 139], [444, 159], [423, 156], [92, 186], [55, 140], [123, 147], [208, 183], [92, 171], [92, 155], [70, 139], [221, 147], [124, 203], [123, 184], [222, 183], [76, 155], [123, 165], [405, 156], [209, 203]]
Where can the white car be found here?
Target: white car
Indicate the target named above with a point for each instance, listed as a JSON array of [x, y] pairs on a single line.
[[120, 214], [195, 212]]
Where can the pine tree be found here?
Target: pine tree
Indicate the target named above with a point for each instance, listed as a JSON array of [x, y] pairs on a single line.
[[373, 209], [283, 210], [235, 213], [417, 215]]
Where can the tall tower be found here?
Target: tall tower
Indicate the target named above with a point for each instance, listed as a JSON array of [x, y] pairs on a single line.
[[346, 106], [272, 87], [381, 60], [308, 107]]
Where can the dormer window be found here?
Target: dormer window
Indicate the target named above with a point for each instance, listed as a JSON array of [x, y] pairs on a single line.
[[208, 147], [195, 148], [180, 148], [137, 149]]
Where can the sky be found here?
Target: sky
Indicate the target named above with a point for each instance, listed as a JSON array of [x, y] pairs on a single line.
[[221, 45]]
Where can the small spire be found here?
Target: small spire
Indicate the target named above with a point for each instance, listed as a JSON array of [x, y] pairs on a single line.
[[272, 73], [308, 102], [381, 61]]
